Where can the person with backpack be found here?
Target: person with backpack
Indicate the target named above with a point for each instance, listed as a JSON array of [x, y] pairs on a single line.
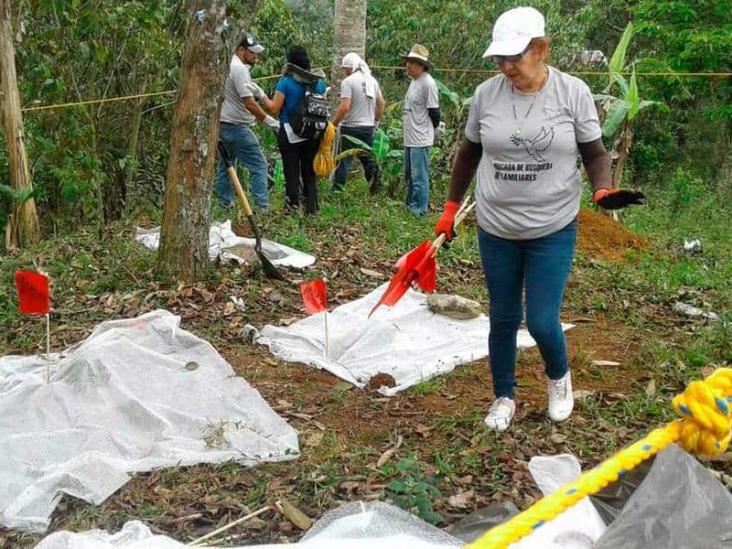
[[240, 110], [422, 126], [358, 115], [299, 99]]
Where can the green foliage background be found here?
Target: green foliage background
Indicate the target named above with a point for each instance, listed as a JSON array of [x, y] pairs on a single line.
[[83, 49]]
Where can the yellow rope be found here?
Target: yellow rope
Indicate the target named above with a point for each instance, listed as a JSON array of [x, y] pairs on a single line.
[[583, 73], [704, 429], [122, 98], [323, 163], [383, 67]]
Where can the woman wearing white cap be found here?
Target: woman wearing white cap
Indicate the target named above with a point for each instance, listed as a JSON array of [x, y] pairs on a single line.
[[525, 129], [358, 114]]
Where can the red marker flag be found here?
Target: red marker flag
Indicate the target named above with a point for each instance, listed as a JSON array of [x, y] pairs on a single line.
[[314, 295], [33, 292]]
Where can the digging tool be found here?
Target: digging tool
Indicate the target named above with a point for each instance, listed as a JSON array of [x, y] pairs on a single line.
[[419, 265], [269, 269]]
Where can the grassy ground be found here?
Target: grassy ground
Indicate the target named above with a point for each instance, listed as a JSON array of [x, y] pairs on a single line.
[[426, 446]]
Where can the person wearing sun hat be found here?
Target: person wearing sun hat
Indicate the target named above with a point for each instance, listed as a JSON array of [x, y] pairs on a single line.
[[525, 130], [240, 110], [421, 126]]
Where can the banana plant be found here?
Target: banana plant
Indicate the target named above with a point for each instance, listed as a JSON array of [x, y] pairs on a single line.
[[619, 111]]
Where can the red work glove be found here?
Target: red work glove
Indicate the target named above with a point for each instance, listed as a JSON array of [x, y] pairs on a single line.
[[446, 224], [610, 199]]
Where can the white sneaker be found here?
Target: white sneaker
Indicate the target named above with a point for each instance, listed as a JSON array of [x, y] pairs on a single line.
[[561, 400], [500, 414]]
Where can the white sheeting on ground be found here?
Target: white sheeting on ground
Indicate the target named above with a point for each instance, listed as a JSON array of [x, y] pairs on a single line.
[[407, 341], [221, 239], [356, 525], [580, 526], [138, 394]]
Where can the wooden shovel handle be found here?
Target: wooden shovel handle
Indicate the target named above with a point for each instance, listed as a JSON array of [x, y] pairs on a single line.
[[238, 189]]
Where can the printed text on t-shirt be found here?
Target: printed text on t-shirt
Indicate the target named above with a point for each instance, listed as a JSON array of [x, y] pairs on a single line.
[[513, 171]]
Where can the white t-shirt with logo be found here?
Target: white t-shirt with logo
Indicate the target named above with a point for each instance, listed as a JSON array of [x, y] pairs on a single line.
[[421, 95], [237, 87], [363, 107], [528, 183]]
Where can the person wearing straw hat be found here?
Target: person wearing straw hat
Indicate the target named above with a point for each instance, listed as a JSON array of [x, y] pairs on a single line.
[[525, 129], [358, 115], [240, 110], [421, 126]]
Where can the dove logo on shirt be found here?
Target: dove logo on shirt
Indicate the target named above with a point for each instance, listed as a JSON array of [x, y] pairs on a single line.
[[536, 146]]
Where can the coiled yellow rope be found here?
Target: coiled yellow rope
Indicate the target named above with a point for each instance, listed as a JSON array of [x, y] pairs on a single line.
[[704, 429], [323, 164]]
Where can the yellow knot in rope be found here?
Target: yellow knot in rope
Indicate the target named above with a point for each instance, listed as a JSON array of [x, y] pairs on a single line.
[[706, 407], [323, 163]]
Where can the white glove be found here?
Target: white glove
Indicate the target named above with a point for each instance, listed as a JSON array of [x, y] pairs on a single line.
[[257, 92], [439, 130], [272, 123]]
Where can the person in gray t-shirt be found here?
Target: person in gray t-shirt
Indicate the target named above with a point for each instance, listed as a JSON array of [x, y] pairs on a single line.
[[240, 110], [421, 126], [525, 130], [358, 116]]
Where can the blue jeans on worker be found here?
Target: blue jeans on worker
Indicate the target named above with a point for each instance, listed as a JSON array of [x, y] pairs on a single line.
[[417, 175], [540, 268], [243, 146], [370, 168]]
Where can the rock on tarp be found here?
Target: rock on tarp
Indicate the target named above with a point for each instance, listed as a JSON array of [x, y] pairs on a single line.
[[136, 395], [406, 344], [224, 244]]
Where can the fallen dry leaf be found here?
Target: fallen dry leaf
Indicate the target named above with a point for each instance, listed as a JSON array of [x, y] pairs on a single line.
[[461, 500], [388, 454], [581, 394], [373, 274], [314, 440], [293, 514]]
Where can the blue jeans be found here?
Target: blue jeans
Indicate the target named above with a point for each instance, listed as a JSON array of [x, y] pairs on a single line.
[[540, 267], [370, 168], [244, 147], [417, 174]]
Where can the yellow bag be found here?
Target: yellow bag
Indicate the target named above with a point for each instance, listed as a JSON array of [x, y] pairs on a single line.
[[323, 163]]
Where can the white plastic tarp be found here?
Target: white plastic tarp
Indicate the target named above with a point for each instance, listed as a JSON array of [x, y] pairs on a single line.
[[407, 341], [356, 525], [580, 526], [138, 394], [222, 242]]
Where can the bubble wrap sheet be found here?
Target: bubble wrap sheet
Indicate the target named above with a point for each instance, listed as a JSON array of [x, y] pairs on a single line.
[[408, 341], [356, 525], [138, 394], [222, 242]]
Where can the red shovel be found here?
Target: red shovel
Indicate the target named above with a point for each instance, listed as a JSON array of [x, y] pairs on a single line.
[[419, 266]]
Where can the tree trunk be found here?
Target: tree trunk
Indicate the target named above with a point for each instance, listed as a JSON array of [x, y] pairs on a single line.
[[349, 35], [623, 150], [23, 228], [194, 135]]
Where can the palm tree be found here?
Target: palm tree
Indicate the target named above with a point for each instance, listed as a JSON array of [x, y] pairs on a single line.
[[349, 33]]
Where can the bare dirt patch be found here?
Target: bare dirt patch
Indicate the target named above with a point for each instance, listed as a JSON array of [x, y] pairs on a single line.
[[600, 236]]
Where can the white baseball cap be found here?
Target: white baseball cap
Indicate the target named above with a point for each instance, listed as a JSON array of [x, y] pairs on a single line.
[[513, 31], [251, 43]]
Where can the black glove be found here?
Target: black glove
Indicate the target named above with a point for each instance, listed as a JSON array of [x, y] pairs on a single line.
[[616, 199]]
